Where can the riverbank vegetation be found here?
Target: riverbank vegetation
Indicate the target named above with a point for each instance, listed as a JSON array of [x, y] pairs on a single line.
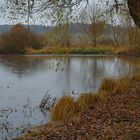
[[111, 113], [92, 32], [74, 50], [20, 40]]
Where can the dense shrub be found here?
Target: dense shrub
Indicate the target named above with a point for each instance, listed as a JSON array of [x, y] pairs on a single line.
[[18, 39]]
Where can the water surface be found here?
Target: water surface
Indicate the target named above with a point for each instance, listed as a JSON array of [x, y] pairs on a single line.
[[24, 80]]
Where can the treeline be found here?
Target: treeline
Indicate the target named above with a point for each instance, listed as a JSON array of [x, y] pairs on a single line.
[[99, 24], [20, 39]]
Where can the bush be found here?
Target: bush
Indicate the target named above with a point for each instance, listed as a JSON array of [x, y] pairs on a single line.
[[18, 39]]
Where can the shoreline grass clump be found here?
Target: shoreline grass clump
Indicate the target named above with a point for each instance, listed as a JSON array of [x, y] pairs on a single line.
[[68, 107], [124, 84], [106, 88], [107, 84], [86, 100], [65, 108]]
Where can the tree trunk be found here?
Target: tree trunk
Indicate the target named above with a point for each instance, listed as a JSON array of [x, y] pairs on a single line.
[[134, 9]]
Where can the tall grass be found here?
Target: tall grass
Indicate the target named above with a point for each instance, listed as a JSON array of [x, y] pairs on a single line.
[[65, 108], [68, 108], [107, 85], [87, 99]]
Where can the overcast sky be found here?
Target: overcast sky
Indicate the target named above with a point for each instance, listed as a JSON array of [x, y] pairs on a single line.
[[7, 21]]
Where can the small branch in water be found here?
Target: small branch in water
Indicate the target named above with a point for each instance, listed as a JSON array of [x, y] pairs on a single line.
[[47, 102]]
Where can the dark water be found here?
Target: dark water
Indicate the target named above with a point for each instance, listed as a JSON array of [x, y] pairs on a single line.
[[24, 80]]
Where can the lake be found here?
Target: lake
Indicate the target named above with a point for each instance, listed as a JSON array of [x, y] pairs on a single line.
[[24, 81]]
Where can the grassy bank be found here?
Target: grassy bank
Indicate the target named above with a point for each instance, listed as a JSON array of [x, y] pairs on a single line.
[[87, 50], [106, 50], [112, 113], [73, 50]]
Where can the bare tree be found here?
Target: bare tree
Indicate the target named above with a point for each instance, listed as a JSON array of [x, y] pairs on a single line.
[[39, 7]]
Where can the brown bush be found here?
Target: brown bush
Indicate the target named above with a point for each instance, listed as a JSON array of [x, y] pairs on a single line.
[[18, 39]]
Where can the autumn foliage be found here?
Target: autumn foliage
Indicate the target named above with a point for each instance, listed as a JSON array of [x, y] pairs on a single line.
[[18, 39]]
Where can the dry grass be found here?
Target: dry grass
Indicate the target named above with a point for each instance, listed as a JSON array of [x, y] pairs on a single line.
[[106, 89], [30, 51], [65, 108], [124, 50], [87, 99], [124, 84], [77, 50], [107, 84], [68, 108]]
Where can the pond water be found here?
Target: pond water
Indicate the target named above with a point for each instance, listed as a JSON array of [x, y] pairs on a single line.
[[24, 80]]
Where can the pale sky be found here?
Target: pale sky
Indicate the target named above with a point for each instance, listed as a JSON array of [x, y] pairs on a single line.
[[7, 21]]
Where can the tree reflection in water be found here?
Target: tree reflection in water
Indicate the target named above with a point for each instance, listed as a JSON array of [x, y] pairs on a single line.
[[25, 80]]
